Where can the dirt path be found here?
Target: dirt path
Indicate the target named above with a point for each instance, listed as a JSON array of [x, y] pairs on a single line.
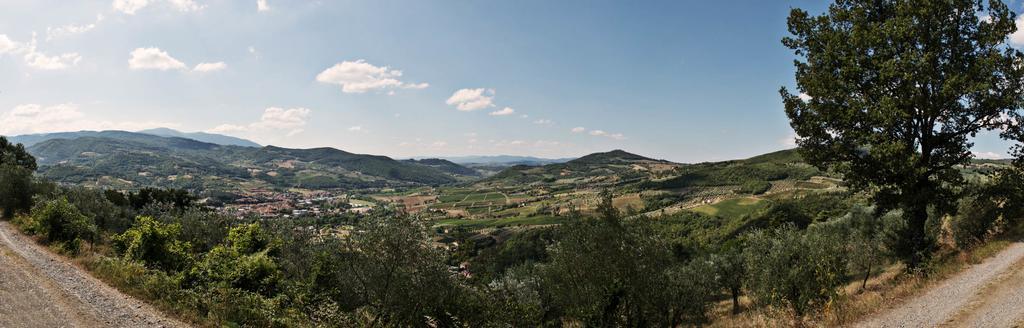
[[40, 289], [990, 294]]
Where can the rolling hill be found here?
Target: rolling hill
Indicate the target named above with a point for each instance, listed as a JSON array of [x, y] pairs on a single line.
[[213, 138], [130, 160]]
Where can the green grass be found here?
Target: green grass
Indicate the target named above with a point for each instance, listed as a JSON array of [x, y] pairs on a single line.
[[491, 223], [732, 208]]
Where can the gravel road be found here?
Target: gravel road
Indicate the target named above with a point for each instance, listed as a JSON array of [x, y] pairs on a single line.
[[989, 294], [41, 289]]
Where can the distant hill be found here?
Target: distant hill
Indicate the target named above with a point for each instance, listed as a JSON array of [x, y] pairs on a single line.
[[502, 160], [129, 159], [31, 139], [444, 165], [611, 167], [202, 136], [611, 157]]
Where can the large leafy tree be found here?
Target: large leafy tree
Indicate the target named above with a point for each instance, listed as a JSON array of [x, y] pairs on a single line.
[[893, 92]]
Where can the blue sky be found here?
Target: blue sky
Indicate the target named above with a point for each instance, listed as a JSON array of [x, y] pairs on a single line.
[[681, 80]]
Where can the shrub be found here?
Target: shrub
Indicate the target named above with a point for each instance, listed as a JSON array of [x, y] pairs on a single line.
[[975, 217], [154, 244], [59, 221], [793, 270]]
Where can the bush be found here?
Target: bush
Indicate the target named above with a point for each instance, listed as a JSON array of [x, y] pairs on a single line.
[[244, 262], [15, 186], [976, 216], [793, 270], [57, 221], [154, 244]]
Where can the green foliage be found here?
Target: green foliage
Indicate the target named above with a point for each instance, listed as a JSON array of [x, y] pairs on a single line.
[[607, 272], [896, 90], [15, 190], [154, 244], [57, 221], [245, 261], [975, 218], [755, 187], [790, 269], [15, 155]]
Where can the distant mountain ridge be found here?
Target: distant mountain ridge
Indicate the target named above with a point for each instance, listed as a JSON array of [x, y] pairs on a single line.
[[214, 138], [31, 139]]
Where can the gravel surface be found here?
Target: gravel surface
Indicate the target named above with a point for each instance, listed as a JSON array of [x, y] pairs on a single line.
[[41, 289], [1000, 304], [963, 296]]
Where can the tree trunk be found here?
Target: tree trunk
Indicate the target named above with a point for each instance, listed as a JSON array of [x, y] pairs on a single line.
[[735, 301], [867, 274]]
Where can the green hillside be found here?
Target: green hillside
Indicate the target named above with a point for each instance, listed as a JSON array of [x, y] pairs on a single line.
[[133, 160]]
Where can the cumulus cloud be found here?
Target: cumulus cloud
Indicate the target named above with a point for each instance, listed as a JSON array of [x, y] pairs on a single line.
[[7, 45], [280, 118], [186, 5], [1017, 38], [130, 7], [261, 5], [356, 128], [227, 128], [789, 140], [602, 133], [359, 77], [70, 30], [988, 155], [544, 122], [274, 119], [35, 58], [43, 61], [35, 118], [472, 99], [210, 67], [804, 97], [153, 58], [578, 129], [504, 112]]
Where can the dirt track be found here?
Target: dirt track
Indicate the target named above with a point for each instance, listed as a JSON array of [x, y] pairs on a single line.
[[41, 289], [989, 294]]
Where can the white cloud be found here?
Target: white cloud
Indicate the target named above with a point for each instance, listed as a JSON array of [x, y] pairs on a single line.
[[789, 140], [988, 155], [356, 128], [524, 116], [602, 133], [578, 129], [35, 118], [273, 119], [261, 5], [210, 67], [227, 128], [42, 61], [280, 118], [7, 45], [186, 5], [1017, 38], [804, 97], [153, 58], [544, 122], [67, 30], [129, 6], [504, 112], [359, 77], [37, 59], [472, 99]]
